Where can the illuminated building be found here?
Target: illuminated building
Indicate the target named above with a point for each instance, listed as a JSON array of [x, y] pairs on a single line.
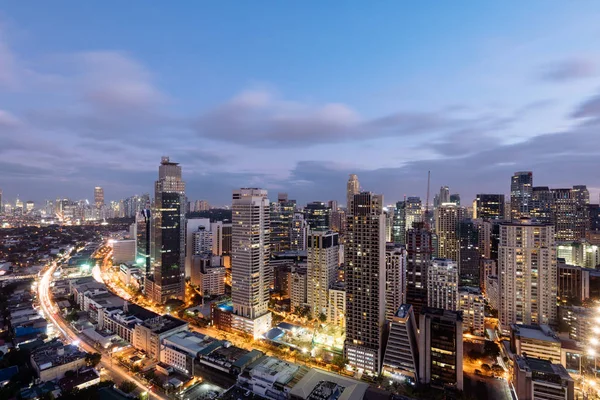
[[169, 234], [470, 235], [541, 379], [447, 219], [419, 253], [298, 233], [442, 284], [489, 206], [336, 310], [527, 273], [573, 282], [29, 206], [472, 304], [317, 216], [365, 282], [352, 188], [282, 213], [143, 237], [441, 348], [322, 263], [251, 273], [395, 279], [401, 357], [399, 224], [520, 194], [413, 212], [542, 203]]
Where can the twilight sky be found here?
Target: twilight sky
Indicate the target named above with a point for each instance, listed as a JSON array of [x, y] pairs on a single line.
[[294, 96]]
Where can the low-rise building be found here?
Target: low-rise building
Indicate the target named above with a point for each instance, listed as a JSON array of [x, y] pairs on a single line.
[[83, 379], [534, 378], [271, 378], [317, 385], [122, 320], [181, 349], [124, 251], [149, 335], [222, 356], [51, 361], [537, 341]]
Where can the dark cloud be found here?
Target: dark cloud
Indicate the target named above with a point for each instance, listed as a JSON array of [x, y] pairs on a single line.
[[590, 108], [568, 70]]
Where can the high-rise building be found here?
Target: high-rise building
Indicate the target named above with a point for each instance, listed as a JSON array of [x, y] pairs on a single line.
[[444, 196], [322, 264], [419, 253], [581, 195], [98, 197], [169, 234], [542, 204], [527, 273], [402, 349], [399, 224], [470, 235], [489, 206], [472, 305], [143, 222], [191, 227], [447, 219], [455, 198], [413, 212], [250, 270], [520, 194], [352, 188], [395, 279], [442, 284], [29, 206], [365, 282], [594, 218], [298, 233], [317, 216], [282, 213], [441, 348]]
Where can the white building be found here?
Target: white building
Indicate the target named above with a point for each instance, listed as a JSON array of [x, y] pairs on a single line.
[[527, 273], [322, 263], [251, 274], [336, 311], [297, 284], [395, 279], [123, 251], [192, 226], [298, 233], [212, 281], [472, 305], [202, 241], [442, 284], [269, 377], [181, 349]]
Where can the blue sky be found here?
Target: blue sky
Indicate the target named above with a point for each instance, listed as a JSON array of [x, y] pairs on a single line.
[[294, 96]]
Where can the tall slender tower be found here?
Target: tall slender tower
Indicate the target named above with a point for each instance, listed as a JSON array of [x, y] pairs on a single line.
[[323, 257], [447, 218], [521, 186], [419, 250], [352, 188], [250, 270], [98, 201], [169, 234], [365, 280], [527, 273]]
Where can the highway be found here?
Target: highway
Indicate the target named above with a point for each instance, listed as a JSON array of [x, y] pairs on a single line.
[[115, 371]]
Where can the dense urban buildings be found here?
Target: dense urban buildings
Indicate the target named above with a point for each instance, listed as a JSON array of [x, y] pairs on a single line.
[[489, 206], [520, 194], [322, 264]]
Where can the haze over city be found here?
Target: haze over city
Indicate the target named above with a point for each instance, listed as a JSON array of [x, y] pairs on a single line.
[[293, 97]]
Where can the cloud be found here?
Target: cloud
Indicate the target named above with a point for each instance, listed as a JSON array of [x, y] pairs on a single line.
[[8, 73], [589, 108], [8, 120], [568, 70]]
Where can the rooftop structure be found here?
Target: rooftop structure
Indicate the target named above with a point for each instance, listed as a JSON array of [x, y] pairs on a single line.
[[319, 385]]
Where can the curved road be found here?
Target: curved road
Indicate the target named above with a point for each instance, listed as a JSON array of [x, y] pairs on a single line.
[[115, 371]]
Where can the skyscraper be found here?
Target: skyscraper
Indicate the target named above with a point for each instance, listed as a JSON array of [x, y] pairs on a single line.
[[542, 204], [402, 349], [419, 250], [352, 188], [323, 257], [489, 206], [99, 201], [399, 224], [169, 234], [365, 282], [298, 233], [444, 196], [318, 216], [527, 273], [447, 218], [282, 213], [395, 279], [250, 270], [143, 237], [470, 235], [413, 212], [442, 284], [520, 194]]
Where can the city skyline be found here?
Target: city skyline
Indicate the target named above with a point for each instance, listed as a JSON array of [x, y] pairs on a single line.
[[385, 95]]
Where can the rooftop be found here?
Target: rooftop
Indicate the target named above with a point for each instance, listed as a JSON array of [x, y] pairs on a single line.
[[192, 342], [535, 332], [163, 323], [316, 384], [56, 355], [440, 312]]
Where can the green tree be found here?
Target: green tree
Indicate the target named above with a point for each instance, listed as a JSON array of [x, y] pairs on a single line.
[[322, 318], [127, 386], [93, 359]]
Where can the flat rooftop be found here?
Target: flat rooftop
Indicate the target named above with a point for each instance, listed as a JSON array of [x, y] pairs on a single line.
[[535, 332], [317, 383]]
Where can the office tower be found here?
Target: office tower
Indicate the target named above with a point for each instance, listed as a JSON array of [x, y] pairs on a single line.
[[399, 224], [472, 305], [317, 216], [489, 206], [18, 206], [413, 212], [322, 263], [338, 220], [593, 218], [581, 196], [470, 235], [447, 218], [191, 227], [282, 213], [527, 273], [29, 206], [365, 282], [542, 204], [442, 284], [441, 348], [402, 349], [202, 241], [216, 229], [389, 222], [250, 270], [444, 196], [455, 198], [143, 221], [395, 279], [298, 233], [352, 188], [564, 214], [419, 252], [227, 240], [169, 234], [333, 205], [98, 197], [520, 194]]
